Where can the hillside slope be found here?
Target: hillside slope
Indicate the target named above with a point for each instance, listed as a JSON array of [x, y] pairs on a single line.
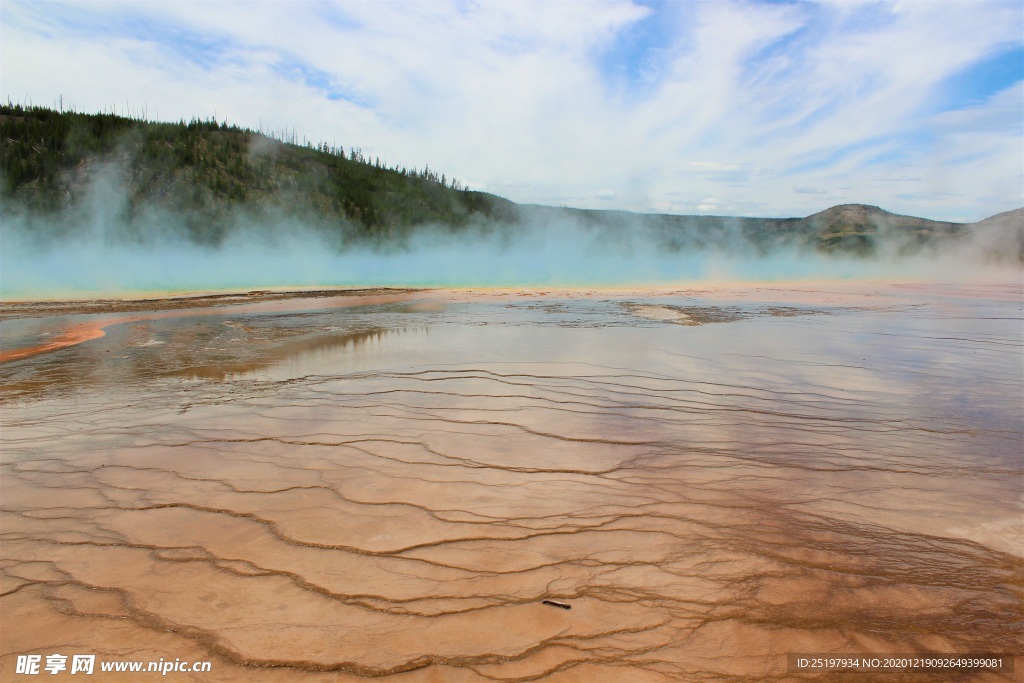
[[204, 170], [1001, 237], [204, 180]]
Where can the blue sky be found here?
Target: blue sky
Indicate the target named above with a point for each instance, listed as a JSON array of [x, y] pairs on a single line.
[[745, 108]]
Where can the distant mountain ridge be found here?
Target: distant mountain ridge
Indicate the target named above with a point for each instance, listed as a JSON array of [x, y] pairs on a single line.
[[211, 180]]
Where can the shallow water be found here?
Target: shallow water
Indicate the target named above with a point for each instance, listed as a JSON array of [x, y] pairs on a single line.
[[711, 480]]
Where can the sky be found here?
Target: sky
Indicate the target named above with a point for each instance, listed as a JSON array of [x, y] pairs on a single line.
[[749, 108]]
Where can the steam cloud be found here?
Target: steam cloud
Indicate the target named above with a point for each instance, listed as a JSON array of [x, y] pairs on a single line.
[[93, 250]]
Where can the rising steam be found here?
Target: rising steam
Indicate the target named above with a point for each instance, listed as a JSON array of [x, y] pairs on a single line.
[[94, 250]]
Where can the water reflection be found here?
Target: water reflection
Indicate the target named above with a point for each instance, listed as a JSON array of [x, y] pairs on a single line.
[[207, 347], [313, 355]]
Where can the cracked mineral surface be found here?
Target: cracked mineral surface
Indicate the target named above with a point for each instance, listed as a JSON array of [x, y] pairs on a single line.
[[391, 484]]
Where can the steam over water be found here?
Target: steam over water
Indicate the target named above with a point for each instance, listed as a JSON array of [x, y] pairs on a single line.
[[710, 479], [99, 255]]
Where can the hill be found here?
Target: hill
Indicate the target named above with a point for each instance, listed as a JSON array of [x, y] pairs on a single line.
[[203, 170], [1001, 237], [209, 179]]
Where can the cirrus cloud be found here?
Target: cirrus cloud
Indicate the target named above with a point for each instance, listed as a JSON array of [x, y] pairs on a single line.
[[914, 106]]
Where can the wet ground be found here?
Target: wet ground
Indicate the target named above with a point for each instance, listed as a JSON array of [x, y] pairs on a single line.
[[392, 487]]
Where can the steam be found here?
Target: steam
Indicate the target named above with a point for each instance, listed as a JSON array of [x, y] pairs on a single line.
[[93, 250]]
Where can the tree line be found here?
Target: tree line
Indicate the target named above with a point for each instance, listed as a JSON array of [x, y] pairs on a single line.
[[205, 168]]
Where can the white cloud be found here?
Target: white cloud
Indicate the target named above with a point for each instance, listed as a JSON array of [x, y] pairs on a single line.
[[753, 103]]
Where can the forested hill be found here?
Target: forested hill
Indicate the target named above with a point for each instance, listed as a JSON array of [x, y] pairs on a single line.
[[202, 170], [207, 179]]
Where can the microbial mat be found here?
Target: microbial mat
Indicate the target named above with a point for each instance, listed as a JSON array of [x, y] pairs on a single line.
[[327, 489]]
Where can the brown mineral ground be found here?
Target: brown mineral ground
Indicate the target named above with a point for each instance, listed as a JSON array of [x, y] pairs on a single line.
[[173, 307], [392, 488]]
